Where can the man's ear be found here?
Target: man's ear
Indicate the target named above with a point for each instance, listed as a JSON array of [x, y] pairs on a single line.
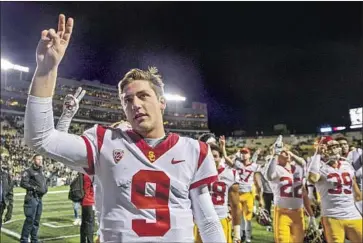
[[162, 103]]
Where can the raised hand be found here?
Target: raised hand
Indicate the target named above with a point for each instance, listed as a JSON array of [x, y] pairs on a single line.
[[71, 102], [222, 141], [53, 44]]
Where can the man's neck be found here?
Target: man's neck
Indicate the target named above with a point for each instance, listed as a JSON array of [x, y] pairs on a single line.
[[155, 133], [246, 162]]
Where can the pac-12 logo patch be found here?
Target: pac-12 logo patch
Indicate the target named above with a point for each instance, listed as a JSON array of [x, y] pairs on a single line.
[[118, 154]]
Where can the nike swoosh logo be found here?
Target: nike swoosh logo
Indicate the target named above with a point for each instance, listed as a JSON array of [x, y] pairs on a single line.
[[173, 161]]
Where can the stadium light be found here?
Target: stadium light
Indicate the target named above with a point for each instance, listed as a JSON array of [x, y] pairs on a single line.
[[6, 65], [174, 97]]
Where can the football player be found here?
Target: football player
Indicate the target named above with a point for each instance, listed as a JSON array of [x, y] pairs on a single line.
[[222, 191], [156, 182], [246, 172], [286, 179], [344, 146], [335, 182]]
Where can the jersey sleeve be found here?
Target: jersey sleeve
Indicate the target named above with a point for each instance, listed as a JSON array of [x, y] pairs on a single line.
[[93, 139], [206, 172]]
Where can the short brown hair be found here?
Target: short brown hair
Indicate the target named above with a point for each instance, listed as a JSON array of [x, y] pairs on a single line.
[[151, 75]]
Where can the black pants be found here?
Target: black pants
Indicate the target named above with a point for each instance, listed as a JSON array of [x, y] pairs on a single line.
[[33, 208], [87, 226], [2, 209], [268, 198]]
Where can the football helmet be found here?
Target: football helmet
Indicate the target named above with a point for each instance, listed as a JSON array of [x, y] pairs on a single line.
[[263, 217], [313, 235]]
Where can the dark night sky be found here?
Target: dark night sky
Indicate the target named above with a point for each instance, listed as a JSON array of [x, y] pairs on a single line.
[[256, 64]]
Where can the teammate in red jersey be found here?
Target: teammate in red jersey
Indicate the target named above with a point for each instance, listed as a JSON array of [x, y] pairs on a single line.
[[154, 183]]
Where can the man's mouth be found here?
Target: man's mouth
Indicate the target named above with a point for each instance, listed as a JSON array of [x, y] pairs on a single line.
[[139, 116]]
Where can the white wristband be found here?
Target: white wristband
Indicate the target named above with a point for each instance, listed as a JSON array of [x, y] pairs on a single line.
[[237, 231]]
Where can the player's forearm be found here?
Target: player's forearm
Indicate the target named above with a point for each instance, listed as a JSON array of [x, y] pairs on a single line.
[[40, 135], [314, 168], [357, 160], [271, 169], [205, 216], [357, 192], [64, 123], [43, 82], [298, 159], [307, 204]]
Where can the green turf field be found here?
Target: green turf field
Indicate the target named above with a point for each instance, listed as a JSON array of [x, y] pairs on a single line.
[[57, 218]]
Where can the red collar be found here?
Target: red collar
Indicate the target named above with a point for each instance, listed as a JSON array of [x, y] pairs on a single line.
[[154, 153]]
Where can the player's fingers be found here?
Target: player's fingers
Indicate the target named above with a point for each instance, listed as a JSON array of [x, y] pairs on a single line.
[[78, 91], [68, 30], [44, 35], [61, 25], [80, 97], [53, 36]]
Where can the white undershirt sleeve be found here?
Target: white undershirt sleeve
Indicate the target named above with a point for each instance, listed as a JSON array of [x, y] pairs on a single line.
[[270, 172], [205, 216], [40, 135]]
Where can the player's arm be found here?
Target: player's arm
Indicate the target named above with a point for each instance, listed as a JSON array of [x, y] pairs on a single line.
[[39, 132], [258, 185], [235, 210], [205, 215], [314, 168], [355, 157], [306, 201], [271, 173], [356, 191], [70, 108], [311, 220], [300, 161], [222, 144]]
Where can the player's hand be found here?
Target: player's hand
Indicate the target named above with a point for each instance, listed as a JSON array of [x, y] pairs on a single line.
[[53, 44], [7, 216], [312, 223], [278, 145], [222, 141], [71, 102], [235, 240]]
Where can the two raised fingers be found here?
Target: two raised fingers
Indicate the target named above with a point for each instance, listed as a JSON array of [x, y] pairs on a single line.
[[63, 33], [79, 93]]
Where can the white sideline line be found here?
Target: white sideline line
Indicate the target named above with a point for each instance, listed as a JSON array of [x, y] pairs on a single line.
[[51, 225], [17, 236], [46, 217], [52, 192], [60, 237], [11, 233]]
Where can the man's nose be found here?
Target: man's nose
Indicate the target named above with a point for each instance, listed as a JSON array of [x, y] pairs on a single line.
[[136, 104]]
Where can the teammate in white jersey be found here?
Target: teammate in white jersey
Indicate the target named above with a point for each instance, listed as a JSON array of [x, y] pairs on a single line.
[[246, 172], [153, 183], [223, 191], [286, 179], [335, 182]]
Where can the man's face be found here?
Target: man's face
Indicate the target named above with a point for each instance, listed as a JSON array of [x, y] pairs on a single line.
[[245, 156], [38, 160], [284, 158], [217, 158], [344, 145], [142, 107], [334, 148]]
